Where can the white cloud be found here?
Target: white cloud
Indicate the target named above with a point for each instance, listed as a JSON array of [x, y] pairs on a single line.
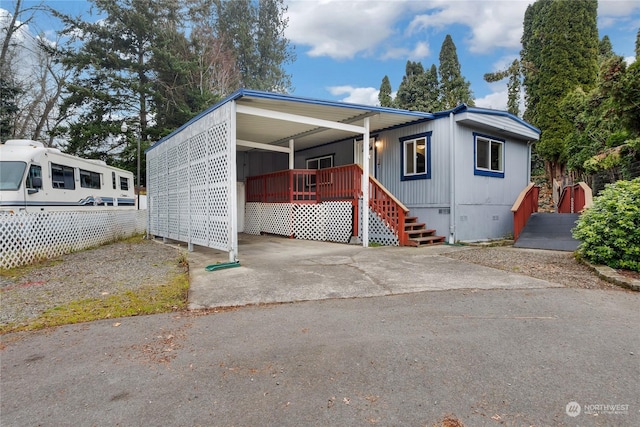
[[341, 29], [492, 23], [630, 60], [356, 95], [419, 52], [610, 10], [495, 100]]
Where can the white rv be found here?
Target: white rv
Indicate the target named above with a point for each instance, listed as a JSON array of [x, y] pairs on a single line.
[[36, 178]]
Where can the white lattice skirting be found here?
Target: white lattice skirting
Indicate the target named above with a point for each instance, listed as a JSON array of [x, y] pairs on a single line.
[[328, 221], [30, 237], [379, 231]]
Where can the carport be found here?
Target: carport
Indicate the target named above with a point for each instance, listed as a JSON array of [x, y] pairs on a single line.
[[193, 174]]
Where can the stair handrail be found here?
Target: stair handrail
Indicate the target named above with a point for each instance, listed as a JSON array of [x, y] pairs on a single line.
[[575, 198], [524, 206], [392, 211]]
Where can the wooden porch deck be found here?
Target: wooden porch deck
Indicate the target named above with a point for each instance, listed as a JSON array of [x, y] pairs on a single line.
[[341, 183]]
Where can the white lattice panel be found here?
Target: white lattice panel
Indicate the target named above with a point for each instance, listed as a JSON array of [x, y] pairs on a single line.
[[309, 222], [379, 232], [339, 221], [253, 218], [189, 179], [277, 218], [29, 237]]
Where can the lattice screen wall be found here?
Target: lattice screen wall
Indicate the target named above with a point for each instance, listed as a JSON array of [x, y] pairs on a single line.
[[29, 237], [190, 176], [379, 232], [330, 221]]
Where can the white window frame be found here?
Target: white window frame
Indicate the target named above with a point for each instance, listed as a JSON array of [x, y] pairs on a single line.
[[493, 145], [414, 140], [311, 182]]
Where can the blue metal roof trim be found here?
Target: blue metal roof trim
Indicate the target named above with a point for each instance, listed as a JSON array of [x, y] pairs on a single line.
[[464, 107], [240, 93]]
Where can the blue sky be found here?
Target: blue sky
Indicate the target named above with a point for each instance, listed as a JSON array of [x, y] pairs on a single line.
[[345, 47]]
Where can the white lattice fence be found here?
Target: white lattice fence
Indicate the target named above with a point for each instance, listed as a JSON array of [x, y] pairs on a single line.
[[190, 177], [331, 221], [29, 237]]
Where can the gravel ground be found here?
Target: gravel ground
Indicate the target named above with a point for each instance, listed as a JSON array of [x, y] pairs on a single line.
[[122, 266], [553, 266], [92, 273]]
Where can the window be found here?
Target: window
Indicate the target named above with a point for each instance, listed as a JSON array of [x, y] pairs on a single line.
[[323, 162], [89, 179], [124, 183], [113, 179], [35, 171], [62, 177], [416, 157], [489, 153], [11, 174]]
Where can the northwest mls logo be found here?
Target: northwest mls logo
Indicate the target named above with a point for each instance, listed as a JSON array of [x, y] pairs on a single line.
[[573, 409]]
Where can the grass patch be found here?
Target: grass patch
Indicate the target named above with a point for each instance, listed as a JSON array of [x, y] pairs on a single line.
[[165, 298]]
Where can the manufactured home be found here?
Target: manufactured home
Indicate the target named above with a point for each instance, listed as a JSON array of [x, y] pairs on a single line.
[[260, 162], [36, 178]]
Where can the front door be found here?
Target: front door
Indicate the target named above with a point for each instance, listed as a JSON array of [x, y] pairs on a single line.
[[357, 155]]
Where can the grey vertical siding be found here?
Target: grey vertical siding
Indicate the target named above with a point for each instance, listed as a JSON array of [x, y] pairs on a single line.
[[342, 152], [483, 204], [254, 162]]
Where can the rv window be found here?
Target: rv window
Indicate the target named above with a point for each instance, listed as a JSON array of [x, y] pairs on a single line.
[[89, 179], [35, 171], [124, 183], [11, 174], [62, 177]]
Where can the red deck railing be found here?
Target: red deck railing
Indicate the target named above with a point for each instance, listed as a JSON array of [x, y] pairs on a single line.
[[331, 184], [390, 209], [575, 198], [293, 185], [525, 205]]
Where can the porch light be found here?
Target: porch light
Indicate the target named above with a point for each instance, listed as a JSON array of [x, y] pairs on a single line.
[[378, 143]]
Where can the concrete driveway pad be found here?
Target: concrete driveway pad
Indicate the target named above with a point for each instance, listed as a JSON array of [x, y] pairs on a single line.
[[276, 269]]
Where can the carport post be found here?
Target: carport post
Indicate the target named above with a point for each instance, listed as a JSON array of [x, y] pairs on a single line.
[[291, 156], [365, 184]]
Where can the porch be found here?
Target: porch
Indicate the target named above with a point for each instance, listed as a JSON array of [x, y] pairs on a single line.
[[327, 204]]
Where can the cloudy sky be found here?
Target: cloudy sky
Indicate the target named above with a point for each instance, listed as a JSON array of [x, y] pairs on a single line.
[[345, 47]]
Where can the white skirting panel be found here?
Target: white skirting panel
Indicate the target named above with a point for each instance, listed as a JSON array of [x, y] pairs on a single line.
[[330, 221]]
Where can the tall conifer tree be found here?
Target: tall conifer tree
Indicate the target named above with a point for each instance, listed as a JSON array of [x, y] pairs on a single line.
[[454, 88], [559, 53]]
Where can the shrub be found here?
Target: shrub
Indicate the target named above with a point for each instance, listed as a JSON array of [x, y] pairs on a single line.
[[610, 230]]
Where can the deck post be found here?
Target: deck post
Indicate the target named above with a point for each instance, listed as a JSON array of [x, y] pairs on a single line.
[[291, 156], [365, 184]]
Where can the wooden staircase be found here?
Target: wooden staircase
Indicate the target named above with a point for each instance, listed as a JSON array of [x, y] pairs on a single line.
[[418, 234]]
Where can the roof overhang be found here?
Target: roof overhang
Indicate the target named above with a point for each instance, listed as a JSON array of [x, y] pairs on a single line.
[[265, 118]]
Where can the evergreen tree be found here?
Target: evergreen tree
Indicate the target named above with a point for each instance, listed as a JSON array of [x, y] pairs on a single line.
[[605, 49], [431, 101], [384, 96], [409, 91], [454, 88], [559, 53], [254, 32], [9, 94], [513, 86], [638, 45], [117, 76]]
